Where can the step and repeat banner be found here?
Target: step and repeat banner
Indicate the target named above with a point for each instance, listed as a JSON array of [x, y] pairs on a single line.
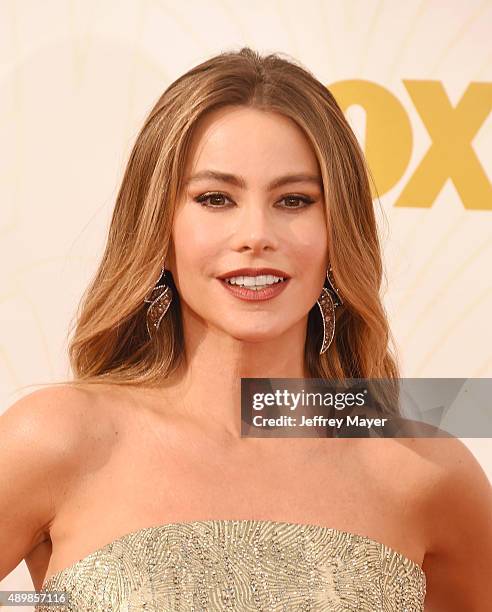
[[414, 79]]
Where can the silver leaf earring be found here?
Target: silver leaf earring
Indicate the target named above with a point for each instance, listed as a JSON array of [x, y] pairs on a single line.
[[327, 307], [159, 298]]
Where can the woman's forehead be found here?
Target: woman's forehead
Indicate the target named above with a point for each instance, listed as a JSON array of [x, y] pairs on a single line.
[[247, 140]]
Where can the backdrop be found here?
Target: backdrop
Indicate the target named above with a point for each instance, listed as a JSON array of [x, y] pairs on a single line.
[[414, 79]]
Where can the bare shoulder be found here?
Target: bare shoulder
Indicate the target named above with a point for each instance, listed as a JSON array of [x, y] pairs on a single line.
[[54, 430], [50, 428], [459, 526], [42, 436], [450, 494], [451, 478], [53, 420], [454, 474], [461, 491], [40, 417]]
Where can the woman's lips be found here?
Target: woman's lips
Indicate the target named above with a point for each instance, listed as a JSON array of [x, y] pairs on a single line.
[[255, 295]]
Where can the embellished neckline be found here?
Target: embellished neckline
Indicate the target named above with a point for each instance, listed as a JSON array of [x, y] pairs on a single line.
[[280, 524]]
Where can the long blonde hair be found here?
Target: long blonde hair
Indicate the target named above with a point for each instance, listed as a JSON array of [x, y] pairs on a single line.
[[110, 341]]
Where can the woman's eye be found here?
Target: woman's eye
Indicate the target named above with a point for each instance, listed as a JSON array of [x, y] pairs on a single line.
[[294, 198], [211, 200], [218, 200]]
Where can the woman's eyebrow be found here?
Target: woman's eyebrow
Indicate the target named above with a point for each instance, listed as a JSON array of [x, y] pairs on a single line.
[[239, 181]]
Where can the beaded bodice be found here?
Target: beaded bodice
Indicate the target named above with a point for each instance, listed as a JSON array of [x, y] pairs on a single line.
[[241, 565]]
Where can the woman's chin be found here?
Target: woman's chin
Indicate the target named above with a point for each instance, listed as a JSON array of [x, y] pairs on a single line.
[[256, 338]]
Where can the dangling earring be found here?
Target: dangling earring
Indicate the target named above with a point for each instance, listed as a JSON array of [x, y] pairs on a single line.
[[159, 298], [327, 307]]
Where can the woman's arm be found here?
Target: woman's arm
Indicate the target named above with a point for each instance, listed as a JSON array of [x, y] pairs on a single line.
[[38, 439], [458, 564]]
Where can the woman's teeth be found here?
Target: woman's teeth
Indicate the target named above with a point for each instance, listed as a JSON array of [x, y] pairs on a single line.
[[254, 282]]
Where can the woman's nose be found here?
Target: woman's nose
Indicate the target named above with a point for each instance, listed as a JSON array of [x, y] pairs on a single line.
[[255, 228]]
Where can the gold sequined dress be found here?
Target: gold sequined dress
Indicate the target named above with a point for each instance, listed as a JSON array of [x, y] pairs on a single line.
[[240, 565]]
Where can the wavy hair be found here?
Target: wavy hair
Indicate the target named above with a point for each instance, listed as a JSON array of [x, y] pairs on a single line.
[[110, 341]]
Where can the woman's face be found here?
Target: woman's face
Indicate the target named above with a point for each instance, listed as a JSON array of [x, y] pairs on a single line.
[[244, 220]]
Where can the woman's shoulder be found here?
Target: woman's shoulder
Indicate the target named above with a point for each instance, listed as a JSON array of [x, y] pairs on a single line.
[[440, 474], [443, 464], [43, 437], [449, 463], [459, 521], [57, 421], [458, 485]]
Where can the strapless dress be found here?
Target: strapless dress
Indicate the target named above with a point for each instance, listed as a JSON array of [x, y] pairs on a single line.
[[240, 565]]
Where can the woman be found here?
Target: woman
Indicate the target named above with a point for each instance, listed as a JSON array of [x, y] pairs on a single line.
[[132, 485]]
